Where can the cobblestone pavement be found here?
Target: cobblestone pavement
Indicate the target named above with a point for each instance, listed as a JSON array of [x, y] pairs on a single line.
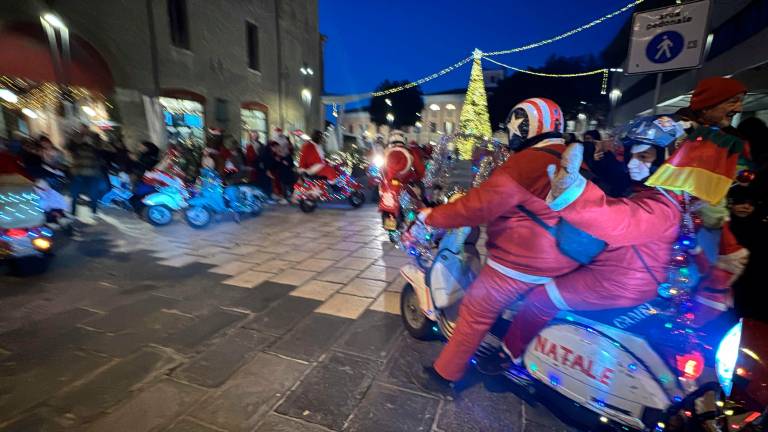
[[285, 322]]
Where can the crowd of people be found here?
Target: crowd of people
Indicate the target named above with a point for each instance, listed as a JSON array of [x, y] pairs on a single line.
[[646, 202], [83, 164]]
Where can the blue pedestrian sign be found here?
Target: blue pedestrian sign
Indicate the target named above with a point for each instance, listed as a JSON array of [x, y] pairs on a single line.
[[665, 47], [668, 38]]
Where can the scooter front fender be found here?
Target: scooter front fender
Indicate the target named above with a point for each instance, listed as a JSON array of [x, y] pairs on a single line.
[[415, 276], [164, 199]]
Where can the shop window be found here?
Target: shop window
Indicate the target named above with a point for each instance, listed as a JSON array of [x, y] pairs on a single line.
[[252, 41], [178, 23], [432, 127], [448, 127], [253, 121]]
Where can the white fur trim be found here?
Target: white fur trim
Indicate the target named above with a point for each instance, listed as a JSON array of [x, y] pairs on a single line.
[[514, 274], [554, 294], [314, 169], [568, 196]]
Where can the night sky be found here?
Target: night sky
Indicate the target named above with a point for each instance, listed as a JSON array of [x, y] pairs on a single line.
[[370, 40]]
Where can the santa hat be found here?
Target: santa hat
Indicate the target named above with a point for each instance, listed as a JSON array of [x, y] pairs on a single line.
[[397, 136], [713, 91], [398, 161]]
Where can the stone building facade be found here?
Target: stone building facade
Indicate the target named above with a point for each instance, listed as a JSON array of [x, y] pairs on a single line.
[[227, 55]]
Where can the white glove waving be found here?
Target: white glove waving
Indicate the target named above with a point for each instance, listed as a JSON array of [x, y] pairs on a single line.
[[563, 178]]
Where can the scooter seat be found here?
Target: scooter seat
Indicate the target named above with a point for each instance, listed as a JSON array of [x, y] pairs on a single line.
[[636, 319]]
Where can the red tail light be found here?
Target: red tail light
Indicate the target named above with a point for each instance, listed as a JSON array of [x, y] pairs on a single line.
[[16, 233], [690, 365]]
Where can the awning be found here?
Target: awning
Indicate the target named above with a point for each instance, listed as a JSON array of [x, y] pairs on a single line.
[[25, 53]]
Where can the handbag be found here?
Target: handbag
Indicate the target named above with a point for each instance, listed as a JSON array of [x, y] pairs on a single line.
[[571, 241]]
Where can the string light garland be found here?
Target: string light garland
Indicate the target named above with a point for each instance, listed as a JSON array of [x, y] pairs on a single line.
[[449, 69], [604, 71], [570, 32]]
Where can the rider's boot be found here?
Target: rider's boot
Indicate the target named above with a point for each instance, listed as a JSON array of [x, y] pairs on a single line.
[[432, 382]]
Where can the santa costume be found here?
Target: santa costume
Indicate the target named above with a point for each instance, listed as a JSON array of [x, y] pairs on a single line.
[[641, 231], [521, 255], [312, 161]]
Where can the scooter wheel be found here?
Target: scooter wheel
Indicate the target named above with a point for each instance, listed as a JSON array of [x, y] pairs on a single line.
[[357, 199], [158, 215], [413, 318], [307, 206], [198, 217]]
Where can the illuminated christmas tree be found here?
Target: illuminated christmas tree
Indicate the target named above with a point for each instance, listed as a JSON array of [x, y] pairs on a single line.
[[474, 123]]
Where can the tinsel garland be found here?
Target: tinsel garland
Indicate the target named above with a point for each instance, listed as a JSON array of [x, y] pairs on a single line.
[[437, 178], [499, 154]]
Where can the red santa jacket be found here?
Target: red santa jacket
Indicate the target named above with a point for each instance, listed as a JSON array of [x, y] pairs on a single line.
[[514, 240], [403, 164], [640, 232], [312, 161]]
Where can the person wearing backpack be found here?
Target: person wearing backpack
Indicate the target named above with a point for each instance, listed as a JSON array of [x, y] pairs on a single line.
[[521, 253]]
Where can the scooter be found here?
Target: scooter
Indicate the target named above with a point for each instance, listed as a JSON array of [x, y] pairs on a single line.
[[26, 244], [120, 192], [309, 191], [626, 366], [210, 201], [397, 204], [171, 195]]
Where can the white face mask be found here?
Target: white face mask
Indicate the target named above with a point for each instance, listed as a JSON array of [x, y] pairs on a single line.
[[638, 171]]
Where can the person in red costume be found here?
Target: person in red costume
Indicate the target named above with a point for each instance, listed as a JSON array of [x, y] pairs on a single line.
[[521, 255], [312, 159], [641, 231], [629, 271], [404, 164]]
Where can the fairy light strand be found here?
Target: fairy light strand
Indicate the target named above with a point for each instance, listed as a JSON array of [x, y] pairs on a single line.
[[603, 71], [449, 69], [570, 32]]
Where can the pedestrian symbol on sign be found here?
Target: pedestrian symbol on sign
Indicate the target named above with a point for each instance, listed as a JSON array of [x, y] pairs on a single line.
[[664, 47]]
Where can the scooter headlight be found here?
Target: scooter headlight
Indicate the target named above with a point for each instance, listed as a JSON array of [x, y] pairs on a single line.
[[726, 357], [378, 161]]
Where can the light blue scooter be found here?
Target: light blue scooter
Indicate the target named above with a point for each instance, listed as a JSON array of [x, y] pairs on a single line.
[[214, 199]]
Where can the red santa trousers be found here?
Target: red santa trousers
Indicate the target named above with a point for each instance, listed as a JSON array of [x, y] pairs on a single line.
[[485, 300], [582, 289]]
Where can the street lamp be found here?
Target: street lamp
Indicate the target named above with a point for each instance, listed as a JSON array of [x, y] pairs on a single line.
[[8, 96], [54, 21], [390, 118], [29, 113], [388, 101]]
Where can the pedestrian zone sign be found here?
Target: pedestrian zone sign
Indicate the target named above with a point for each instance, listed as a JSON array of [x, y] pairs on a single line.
[[668, 38]]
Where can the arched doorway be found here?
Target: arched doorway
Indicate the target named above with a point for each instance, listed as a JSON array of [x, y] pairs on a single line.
[[37, 94]]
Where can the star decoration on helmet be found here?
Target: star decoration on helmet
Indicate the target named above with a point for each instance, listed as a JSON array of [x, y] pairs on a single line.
[[514, 125]]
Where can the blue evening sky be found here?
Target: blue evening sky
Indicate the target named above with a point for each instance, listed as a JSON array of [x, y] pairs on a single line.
[[373, 40]]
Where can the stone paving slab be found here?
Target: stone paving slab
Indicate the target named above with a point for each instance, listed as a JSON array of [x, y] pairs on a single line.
[[152, 409], [111, 385], [115, 319], [404, 366], [215, 365], [151, 329], [188, 338], [389, 409], [37, 385], [283, 315], [43, 330], [188, 425], [372, 335], [311, 337], [250, 394], [278, 423], [330, 392], [261, 297]]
